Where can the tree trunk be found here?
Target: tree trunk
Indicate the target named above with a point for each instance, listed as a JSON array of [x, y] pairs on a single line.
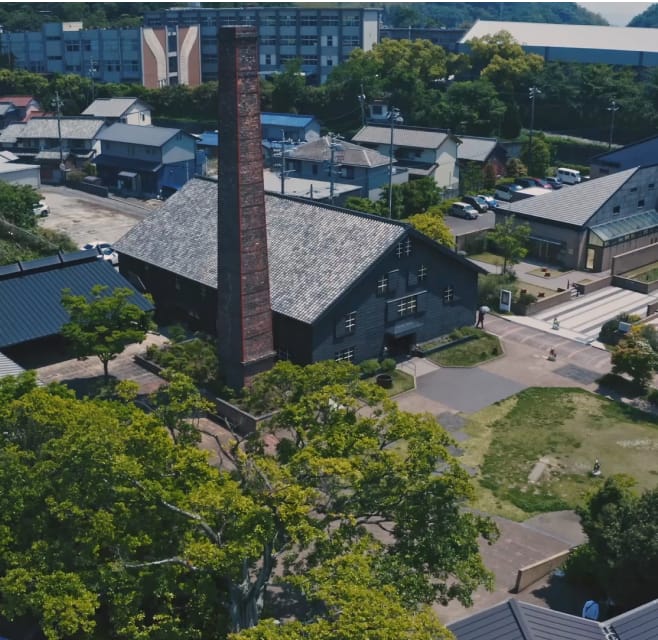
[[247, 598], [106, 373]]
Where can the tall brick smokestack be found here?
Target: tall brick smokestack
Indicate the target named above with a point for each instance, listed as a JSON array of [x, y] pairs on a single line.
[[244, 313]]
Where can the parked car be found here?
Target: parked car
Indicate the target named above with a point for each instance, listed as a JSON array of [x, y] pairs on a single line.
[[505, 191], [490, 200], [477, 202], [105, 251], [463, 210], [556, 183], [525, 182], [41, 208]]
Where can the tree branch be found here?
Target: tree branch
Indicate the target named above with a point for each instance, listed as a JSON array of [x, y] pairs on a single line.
[[155, 563]]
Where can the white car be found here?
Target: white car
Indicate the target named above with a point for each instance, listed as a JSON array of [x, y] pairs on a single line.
[[104, 250], [41, 208]]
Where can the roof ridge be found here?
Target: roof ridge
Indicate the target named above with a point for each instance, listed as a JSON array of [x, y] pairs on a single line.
[[519, 616]]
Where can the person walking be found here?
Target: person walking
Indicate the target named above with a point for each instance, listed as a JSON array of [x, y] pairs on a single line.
[[480, 323]]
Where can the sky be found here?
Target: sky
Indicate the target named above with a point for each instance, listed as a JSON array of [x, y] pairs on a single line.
[[618, 14]]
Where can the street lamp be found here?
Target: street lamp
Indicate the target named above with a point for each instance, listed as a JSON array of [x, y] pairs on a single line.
[[533, 92], [362, 102], [613, 108], [394, 116], [92, 72]]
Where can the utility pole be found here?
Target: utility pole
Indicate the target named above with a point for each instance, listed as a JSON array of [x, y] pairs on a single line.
[[394, 116], [533, 92], [57, 103], [284, 171], [362, 101], [334, 146], [92, 73], [612, 108]]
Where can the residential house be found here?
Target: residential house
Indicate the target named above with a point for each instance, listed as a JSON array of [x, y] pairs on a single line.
[[17, 109], [38, 141], [422, 152], [484, 153], [126, 110], [146, 160], [289, 126], [516, 620], [583, 226], [638, 154], [15, 173], [31, 295], [352, 164], [344, 285]]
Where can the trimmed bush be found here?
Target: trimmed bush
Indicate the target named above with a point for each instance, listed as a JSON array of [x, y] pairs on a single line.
[[369, 367], [387, 364]]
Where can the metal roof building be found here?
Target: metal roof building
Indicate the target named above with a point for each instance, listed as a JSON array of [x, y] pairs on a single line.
[[516, 620], [575, 42], [31, 292], [583, 226]]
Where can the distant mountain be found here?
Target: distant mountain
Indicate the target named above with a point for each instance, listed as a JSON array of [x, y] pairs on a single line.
[[454, 15], [648, 18]]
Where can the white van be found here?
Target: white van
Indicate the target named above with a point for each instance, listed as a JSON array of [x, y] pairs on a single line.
[[568, 176]]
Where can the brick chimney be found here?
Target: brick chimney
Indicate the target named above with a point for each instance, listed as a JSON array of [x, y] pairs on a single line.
[[244, 311]]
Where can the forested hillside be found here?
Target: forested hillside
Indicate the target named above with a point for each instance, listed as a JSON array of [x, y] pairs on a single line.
[[648, 18], [464, 14]]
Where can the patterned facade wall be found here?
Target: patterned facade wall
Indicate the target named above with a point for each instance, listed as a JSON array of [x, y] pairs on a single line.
[[446, 299]]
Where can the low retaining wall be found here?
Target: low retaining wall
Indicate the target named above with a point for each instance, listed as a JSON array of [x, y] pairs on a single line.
[[237, 419], [234, 417], [635, 285], [533, 572], [584, 288], [542, 303], [634, 259], [94, 189]]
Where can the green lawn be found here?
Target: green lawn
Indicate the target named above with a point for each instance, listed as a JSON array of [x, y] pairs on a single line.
[[401, 382], [467, 354], [534, 289], [554, 272], [569, 428], [490, 258]]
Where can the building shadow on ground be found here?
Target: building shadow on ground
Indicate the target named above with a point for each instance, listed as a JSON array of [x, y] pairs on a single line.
[[561, 595]]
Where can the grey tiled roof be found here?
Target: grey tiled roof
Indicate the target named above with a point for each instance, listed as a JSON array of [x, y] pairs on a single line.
[[515, 620], [346, 153], [109, 107], [11, 132], [476, 149], [402, 137], [574, 204], [640, 623], [638, 154], [137, 134], [72, 128], [315, 252]]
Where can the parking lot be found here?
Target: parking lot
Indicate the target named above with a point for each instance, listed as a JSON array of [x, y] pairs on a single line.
[[88, 218]]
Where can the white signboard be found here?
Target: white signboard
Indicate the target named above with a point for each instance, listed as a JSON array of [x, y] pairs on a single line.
[[505, 300]]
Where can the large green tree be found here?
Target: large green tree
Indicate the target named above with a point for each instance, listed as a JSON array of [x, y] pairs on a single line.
[[622, 541], [104, 324], [16, 204], [109, 528], [635, 357], [511, 240], [433, 225]]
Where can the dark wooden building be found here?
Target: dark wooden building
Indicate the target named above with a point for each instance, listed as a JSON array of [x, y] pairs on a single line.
[[343, 284]]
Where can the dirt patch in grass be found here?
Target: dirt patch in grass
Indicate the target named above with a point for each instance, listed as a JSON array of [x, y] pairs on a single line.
[[570, 427], [467, 354]]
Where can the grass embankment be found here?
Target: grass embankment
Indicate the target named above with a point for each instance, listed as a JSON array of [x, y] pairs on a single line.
[[569, 428]]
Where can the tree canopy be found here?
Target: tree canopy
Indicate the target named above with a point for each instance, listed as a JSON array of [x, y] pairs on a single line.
[[104, 324], [109, 525], [621, 554], [511, 239]]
